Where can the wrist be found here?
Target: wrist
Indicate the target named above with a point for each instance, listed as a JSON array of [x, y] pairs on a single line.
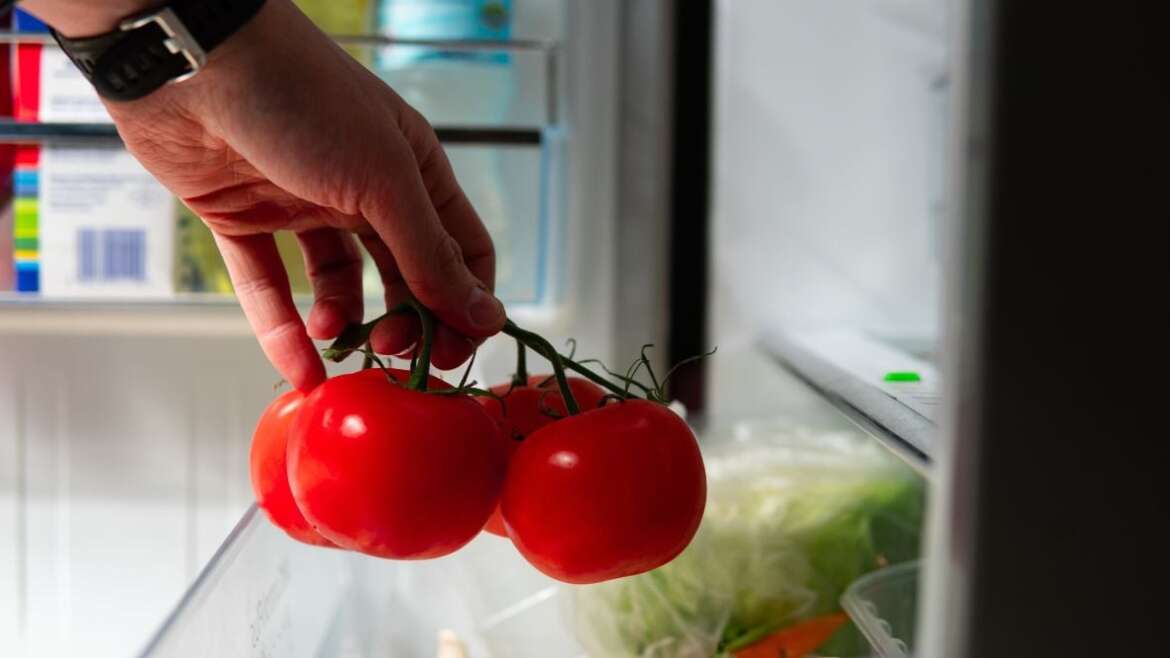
[[80, 18], [166, 43]]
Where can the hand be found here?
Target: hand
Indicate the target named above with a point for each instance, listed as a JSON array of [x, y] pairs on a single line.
[[285, 131]]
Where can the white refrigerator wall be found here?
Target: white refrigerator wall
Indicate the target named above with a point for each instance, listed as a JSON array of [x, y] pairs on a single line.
[[123, 464], [828, 143]]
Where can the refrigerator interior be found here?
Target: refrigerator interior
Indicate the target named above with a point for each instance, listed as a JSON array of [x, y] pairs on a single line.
[[123, 449], [830, 206]]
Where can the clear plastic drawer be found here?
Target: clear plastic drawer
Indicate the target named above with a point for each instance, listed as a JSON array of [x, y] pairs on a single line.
[[266, 595]]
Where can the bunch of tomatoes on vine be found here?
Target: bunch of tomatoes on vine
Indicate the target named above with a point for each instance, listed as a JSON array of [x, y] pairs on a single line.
[[591, 476]]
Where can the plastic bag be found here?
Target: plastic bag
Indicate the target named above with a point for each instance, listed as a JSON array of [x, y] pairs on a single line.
[[793, 516]]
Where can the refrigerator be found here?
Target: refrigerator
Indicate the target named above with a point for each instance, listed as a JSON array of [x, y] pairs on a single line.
[[926, 233]]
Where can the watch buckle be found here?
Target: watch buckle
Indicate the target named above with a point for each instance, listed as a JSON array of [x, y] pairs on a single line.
[[178, 39]]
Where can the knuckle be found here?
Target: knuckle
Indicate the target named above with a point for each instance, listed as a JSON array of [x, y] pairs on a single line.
[[340, 266], [448, 253], [342, 298], [279, 332], [252, 287], [420, 135]]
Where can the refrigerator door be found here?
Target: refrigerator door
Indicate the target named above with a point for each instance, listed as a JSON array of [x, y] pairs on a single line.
[[1047, 523]]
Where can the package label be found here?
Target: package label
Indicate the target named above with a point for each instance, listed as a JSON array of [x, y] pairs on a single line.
[[65, 94], [105, 225]]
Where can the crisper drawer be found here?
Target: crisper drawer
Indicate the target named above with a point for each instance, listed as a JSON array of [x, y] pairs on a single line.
[[266, 595]]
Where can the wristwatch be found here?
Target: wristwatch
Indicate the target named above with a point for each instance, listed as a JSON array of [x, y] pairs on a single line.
[[167, 44]]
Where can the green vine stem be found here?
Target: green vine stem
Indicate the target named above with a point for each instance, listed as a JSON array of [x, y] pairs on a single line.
[[353, 337], [520, 377], [422, 369], [572, 344], [368, 357], [545, 349], [595, 378], [625, 379]]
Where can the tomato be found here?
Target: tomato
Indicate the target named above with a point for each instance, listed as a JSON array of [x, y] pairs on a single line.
[[525, 410], [269, 473], [495, 523], [607, 493], [381, 469]]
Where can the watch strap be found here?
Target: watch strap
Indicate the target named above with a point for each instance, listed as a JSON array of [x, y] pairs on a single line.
[[166, 44]]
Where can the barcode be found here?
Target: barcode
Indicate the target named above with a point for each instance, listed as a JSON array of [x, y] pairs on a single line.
[[111, 254]]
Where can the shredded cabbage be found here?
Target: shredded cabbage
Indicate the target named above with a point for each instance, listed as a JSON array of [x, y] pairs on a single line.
[[793, 516]]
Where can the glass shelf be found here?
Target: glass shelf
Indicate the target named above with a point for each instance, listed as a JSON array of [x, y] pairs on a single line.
[[199, 315], [369, 39], [885, 388], [92, 134], [531, 79]]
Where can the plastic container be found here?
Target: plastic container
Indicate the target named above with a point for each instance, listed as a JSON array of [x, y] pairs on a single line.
[[883, 604]]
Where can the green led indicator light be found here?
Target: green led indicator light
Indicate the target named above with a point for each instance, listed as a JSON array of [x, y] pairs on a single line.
[[903, 376]]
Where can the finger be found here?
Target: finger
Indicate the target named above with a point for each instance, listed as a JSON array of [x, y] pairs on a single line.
[[450, 348], [460, 218], [334, 266], [397, 333], [430, 260], [261, 285]]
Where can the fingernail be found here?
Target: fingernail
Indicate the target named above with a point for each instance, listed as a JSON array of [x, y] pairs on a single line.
[[484, 311]]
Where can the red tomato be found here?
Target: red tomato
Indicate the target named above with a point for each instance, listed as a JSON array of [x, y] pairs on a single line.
[[525, 410], [384, 470], [525, 407], [609, 493], [400, 376], [495, 523], [269, 472], [587, 394]]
